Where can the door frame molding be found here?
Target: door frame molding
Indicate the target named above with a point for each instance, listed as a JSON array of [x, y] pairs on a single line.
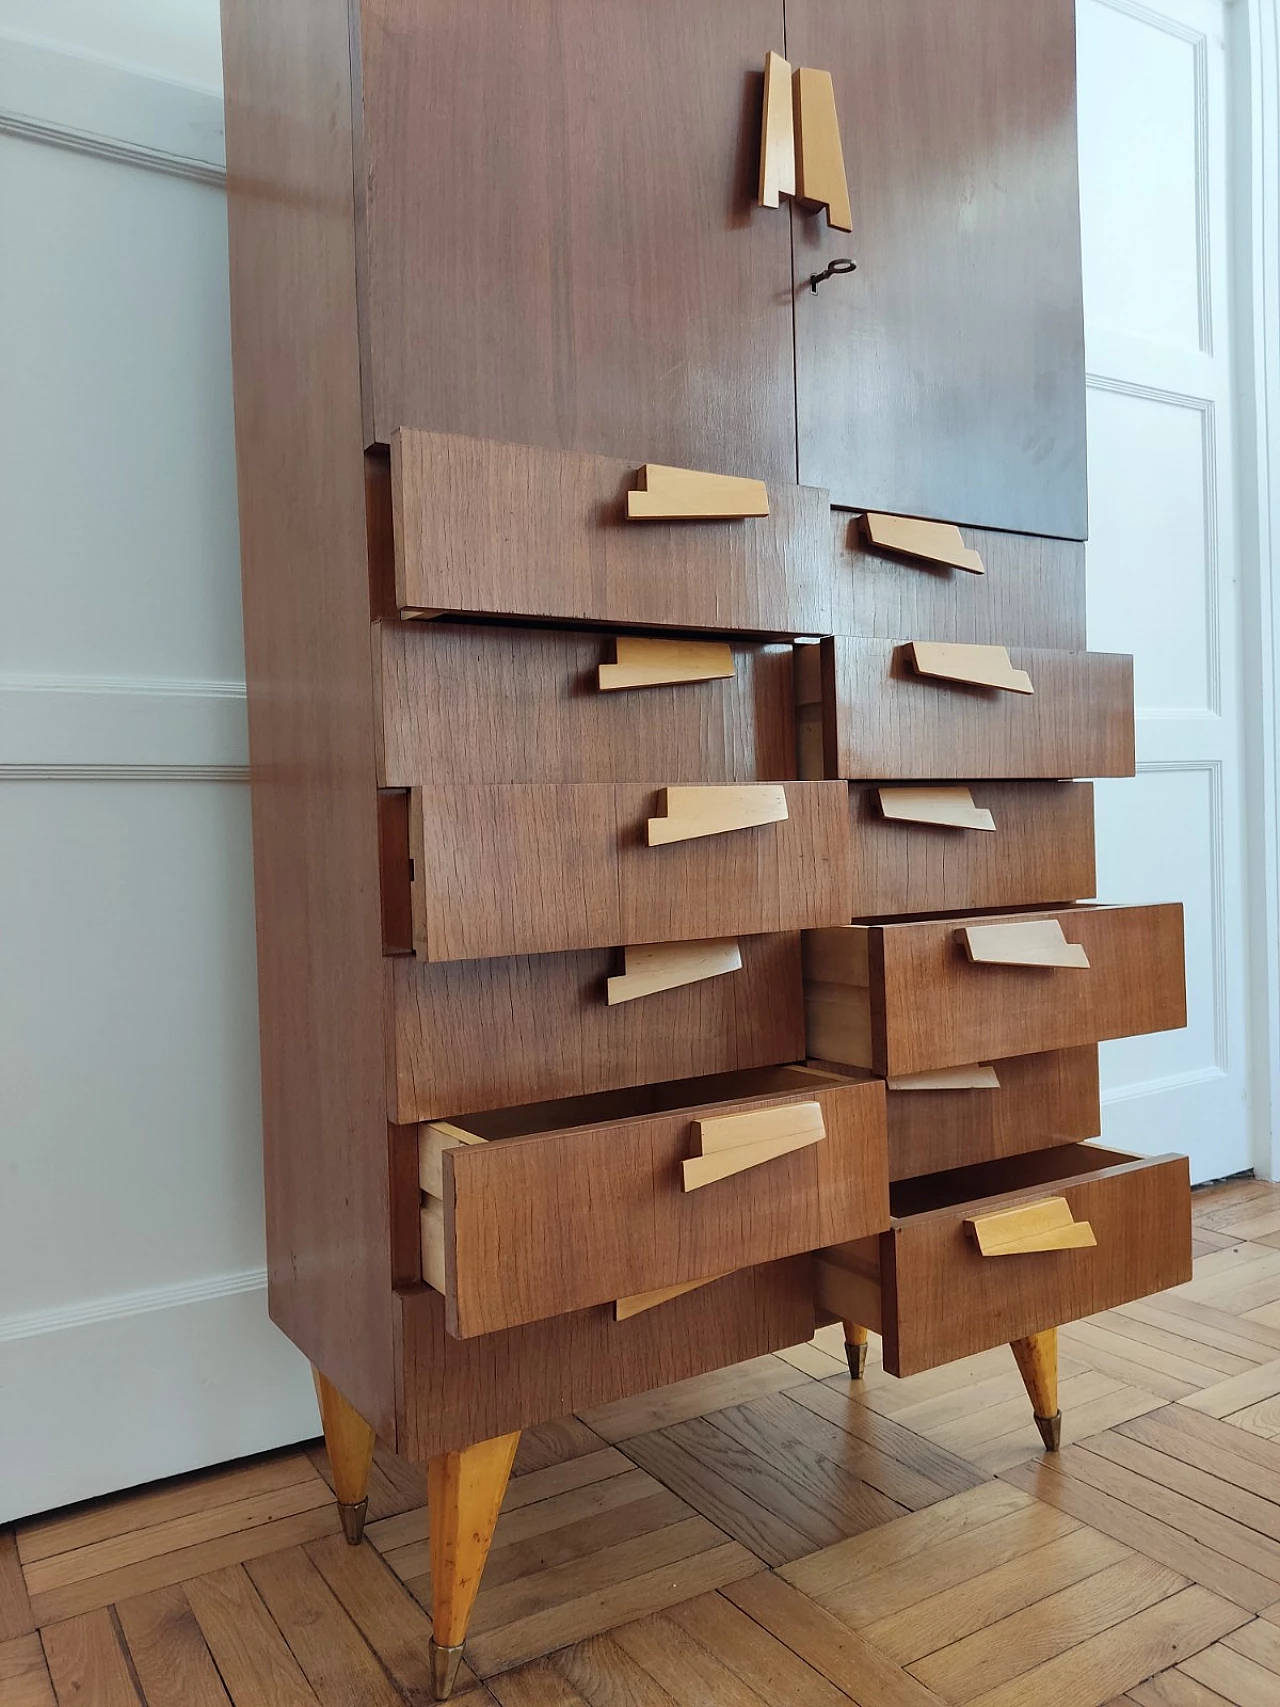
[[1254, 60]]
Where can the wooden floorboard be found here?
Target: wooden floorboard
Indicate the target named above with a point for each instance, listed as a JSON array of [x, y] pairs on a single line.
[[768, 1534]]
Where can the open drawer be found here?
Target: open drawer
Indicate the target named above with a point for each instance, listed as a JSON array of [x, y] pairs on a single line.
[[948, 992], [532, 1212], [1068, 1232]]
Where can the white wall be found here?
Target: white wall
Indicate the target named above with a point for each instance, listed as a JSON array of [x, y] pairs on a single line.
[[134, 1341], [174, 39]]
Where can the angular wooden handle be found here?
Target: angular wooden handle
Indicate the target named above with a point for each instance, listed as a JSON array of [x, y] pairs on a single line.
[[931, 542], [731, 1143], [820, 175], [983, 666], [1037, 942], [711, 811], [977, 1078], [1044, 1226], [651, 967], [686, 494], [642, 662], [638, 1302], [950, 806], [777, 133]]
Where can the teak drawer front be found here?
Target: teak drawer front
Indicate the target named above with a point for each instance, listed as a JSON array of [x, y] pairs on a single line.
[[941, 1299], [883, 720], [509, 530], [905, 998], [483, 1034], [1041, 852], [512, 868], [1040, 1100], [463, 703], [1030, 594], [538, 1225]]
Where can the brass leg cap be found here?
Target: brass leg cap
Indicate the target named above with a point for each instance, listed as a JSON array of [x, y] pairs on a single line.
[[353, 1520], [857, 1356], [1051, 1431], [444, 1669]]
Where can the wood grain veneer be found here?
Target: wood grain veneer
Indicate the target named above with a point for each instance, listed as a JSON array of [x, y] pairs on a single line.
[[512, 530], [492, 1033], [514, 868], [1031, 594], [457, 1391], [903, 998], [940, 1298], [1041, 851], [542, 1224], [589, 269], [884, 721], [311, 733], [971, 269]]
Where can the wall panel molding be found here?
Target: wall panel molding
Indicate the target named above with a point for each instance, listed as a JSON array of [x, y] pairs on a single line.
[[122, 728]]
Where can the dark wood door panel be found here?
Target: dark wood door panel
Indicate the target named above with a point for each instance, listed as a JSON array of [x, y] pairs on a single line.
[[945, 377], [561, 243]]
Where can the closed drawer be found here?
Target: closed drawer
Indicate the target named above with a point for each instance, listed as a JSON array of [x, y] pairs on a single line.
[[513, 530], [1030, 594], [929, 1289], [536, 1211], [1007, 844], [513, 868], [884, 718], [480, 1034], [539, 705], [905, 998]]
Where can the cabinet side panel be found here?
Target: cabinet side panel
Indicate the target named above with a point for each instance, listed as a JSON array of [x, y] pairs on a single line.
[[306, 605]]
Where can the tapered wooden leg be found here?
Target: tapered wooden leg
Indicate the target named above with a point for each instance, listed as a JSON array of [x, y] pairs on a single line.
[[855, 1349], [348, 1440], [1038, 1365], [464, 1496]]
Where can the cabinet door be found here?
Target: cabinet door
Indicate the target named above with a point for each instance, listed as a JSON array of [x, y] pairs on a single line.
[[945, 377], [561, 245]]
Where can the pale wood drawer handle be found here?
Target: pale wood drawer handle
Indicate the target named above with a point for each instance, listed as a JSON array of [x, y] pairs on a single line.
[[932, 542], [691, 812], [624, 1308], [982, 666], [950, 806], [651, 967], [1038, 942], [977, 1078], [800, 152], [640, 662], [777, 133], [687, 494], [731, 1143], [1044, 1226]]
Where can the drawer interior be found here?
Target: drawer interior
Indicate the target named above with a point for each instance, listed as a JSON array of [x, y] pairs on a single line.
[[963, 1186], [565, 1113]]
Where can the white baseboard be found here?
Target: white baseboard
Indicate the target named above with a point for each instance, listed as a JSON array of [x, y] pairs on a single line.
[[92, 1402]]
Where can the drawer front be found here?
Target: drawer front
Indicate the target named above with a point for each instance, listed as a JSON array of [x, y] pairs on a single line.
[[1040, 851], [513, 868], [538, 1226], [494, 1033], [1030, 594], [510, 530], [526, 705], [907, 998], [942, 1299], [1038, 1100], [883, 719]]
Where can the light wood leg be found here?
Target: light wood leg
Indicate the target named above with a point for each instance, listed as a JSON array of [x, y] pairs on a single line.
[[464, 1496], [348, 1440], [1037, 1359], [855, 1349]]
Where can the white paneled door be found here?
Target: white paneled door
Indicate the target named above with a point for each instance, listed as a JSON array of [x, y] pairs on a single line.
[[1163, 581]]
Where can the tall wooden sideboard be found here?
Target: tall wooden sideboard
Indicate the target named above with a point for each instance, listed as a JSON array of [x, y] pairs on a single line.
[[660, 440]]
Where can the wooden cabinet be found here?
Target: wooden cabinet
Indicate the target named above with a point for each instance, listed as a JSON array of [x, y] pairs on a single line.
[[559, 242], [927, 1285], [945, 377], [504, 1237]]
